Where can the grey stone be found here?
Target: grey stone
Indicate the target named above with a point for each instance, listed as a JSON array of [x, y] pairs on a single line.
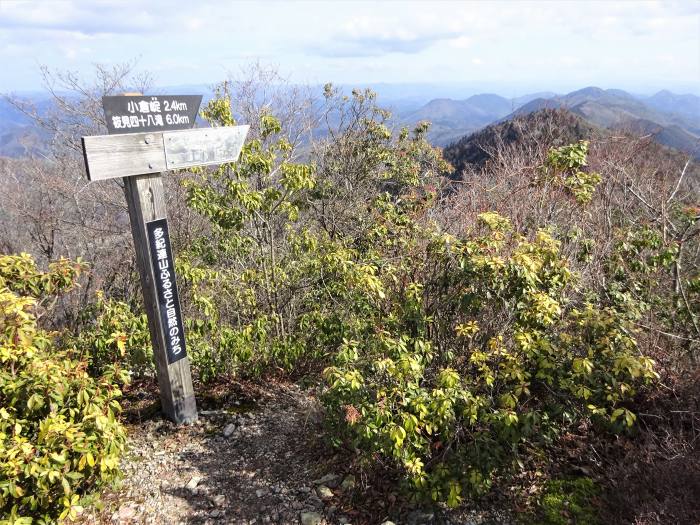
[[324, 493], [219, 500], [125, 513], [348, 483], [193, 482], [315, 501], [229, 430], [262, 492], [418, 517], [311, 518], [328, 480]]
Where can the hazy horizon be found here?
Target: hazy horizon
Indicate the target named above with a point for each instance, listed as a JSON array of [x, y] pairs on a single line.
[[392, 90]]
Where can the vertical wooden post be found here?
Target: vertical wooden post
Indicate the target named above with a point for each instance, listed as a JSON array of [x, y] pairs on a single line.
[[146, 201], [142, 141]]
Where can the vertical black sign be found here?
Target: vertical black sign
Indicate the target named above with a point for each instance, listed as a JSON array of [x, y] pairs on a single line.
[[166, 289]]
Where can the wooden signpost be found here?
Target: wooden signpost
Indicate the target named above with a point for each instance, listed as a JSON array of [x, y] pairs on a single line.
[[149, 135]]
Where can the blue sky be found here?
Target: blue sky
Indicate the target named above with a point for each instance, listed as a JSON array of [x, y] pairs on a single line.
[[508, 46]]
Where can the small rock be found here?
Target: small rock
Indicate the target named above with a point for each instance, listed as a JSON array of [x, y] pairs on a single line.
[[215, 513], [219, 500], [348, 483], [193, 482], [327, 480], [229, 429], [418, 517], [125, 513], [305, 490], [324, 493], [343, 520], [311, 518], [387, 522], [315, 501], [297, 505], [262, 492]]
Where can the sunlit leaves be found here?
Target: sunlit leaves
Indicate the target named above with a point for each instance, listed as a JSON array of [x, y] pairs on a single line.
[[564, 166], [59, 436], [511, 361]]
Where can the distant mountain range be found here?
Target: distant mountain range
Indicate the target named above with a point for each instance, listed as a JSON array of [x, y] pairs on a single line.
[[674, 120], [530, 132], [452, 119]]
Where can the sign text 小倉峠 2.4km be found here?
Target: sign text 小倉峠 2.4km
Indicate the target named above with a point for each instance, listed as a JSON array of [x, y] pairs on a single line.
[[136, 114]]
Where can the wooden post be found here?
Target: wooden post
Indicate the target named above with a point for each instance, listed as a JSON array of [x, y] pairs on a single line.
[[148, 135], [146, 201]]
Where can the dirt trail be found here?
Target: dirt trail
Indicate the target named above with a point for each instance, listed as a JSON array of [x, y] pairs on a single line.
[[248, 463]]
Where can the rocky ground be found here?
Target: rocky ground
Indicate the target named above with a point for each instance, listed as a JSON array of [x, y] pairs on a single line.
[[260, 459]]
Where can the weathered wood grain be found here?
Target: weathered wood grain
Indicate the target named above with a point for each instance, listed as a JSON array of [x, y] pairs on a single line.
[[146, 201], [113, 156]]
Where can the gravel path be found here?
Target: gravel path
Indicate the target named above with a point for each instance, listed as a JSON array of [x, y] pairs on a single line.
[[251, 464]]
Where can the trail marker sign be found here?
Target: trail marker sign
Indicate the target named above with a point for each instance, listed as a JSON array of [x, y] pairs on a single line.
[[149, 135], [129, 154], [133, 114]]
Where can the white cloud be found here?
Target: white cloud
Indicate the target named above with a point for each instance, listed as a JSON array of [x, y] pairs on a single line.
[[540, 42], [88, 18], [461, 42], [378, 34]]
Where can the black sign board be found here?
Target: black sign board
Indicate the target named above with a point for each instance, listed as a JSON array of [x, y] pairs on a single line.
[[138, 114], [166, 289]]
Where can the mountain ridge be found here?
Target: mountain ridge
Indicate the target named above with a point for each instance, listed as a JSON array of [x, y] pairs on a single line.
[[674, 119], [614, 109]]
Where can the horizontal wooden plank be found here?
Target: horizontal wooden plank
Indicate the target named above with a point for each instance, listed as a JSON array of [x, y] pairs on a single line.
[[125, 155], [112, 156], [201, 147]]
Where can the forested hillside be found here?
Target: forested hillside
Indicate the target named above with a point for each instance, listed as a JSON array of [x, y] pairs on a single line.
[[672, 120], [506, 331]]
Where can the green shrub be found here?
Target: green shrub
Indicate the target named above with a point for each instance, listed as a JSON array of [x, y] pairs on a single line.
[[475, 350], [59, 433], [114, 332], [564, 166], [267, 284]]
